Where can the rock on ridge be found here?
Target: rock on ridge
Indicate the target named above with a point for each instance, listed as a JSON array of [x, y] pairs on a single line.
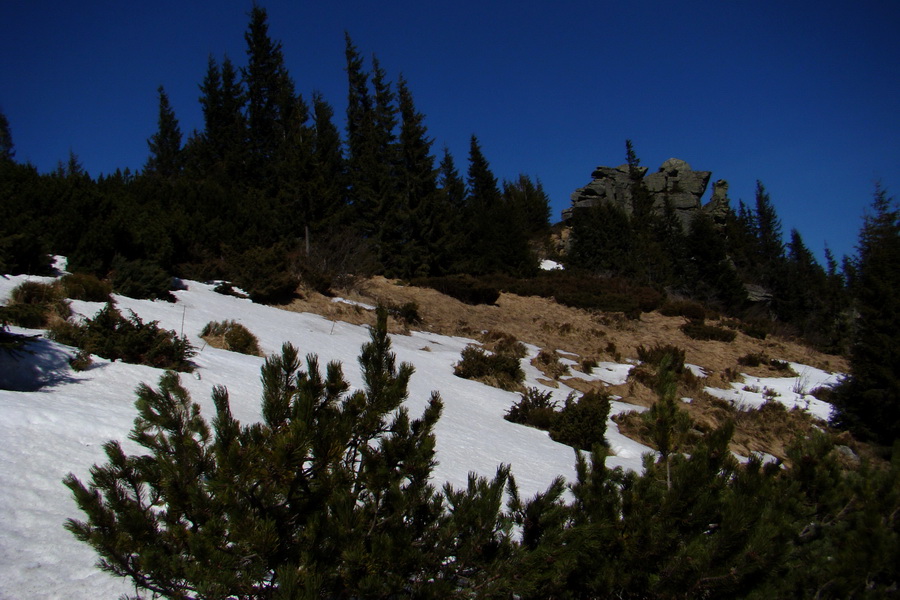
[[674, 181]]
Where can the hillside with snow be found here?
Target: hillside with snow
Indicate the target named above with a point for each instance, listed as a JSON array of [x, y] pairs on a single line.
[[60, 426]]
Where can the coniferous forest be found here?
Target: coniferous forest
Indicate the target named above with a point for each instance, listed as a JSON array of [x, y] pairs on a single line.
[[276, 192]]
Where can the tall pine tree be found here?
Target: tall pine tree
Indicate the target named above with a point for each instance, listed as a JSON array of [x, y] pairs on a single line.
[[328, 198], [868, 403], [7, 151], [424, 222], [165, 159], [224, 138]]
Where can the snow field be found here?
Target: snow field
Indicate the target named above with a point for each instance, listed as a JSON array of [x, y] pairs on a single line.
[[61, 427]]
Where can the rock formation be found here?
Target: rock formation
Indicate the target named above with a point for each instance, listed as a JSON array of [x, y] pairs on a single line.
[[675, 181]]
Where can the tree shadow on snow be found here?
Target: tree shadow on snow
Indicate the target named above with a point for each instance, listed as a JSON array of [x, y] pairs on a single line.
[[37, 364]]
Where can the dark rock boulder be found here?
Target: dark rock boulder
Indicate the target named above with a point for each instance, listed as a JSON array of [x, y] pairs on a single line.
[[674, 182]]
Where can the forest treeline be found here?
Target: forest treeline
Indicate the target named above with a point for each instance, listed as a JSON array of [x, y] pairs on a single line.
[[270, 187], [271, 192]]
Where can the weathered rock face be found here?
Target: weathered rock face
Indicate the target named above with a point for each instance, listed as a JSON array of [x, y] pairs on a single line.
[[717, 207], [675, 181]]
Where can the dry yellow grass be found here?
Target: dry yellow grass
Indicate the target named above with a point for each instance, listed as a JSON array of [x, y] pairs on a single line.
[[602, 337]]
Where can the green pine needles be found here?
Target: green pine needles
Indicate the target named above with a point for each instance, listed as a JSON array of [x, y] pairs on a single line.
[[328, 497]]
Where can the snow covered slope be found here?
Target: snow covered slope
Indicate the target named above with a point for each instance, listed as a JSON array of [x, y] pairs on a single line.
[[60, 428]]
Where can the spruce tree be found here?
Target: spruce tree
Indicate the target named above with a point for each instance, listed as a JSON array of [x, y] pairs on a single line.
[[224, 136], [165, 159], [769, 244], [7, 150], [328, 207], [710, 275], [496, 234], [649, 261], [868, 403], [529, 199], [279, 140], [424, 222], [362, 154], [452, 203], [269, 90], [598, 243]]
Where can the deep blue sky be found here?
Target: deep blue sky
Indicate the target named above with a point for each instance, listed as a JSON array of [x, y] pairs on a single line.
[[804, 96]]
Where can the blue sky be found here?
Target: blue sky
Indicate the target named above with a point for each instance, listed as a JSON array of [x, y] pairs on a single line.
[[803, 96]]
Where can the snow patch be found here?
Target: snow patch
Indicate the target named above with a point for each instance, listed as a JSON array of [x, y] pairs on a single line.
[[550, 265], [353, 303], [792, 392]]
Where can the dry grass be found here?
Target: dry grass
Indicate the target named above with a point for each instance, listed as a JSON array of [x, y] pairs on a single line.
[[606, 336]]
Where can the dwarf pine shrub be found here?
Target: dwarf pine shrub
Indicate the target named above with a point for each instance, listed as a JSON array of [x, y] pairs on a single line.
[[464, 288], [683, 308], [407, 313], [329, 496], [116, 337], [657, 353], [504, 343], [702, 331], [231, 335], [141, 279], [582, 423], [534, 408], [548, 361], [84, 286], [34, 305], [499, 370], [33, 292]]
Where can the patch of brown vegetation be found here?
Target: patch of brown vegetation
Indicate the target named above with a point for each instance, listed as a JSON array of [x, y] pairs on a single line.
[[598, 336]]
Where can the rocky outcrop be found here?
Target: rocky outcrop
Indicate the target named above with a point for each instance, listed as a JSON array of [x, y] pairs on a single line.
[[674, 182], [718, 205]]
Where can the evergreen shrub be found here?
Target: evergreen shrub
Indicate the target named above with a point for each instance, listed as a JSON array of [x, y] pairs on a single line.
[[142, 279], [115, 337], [81, 361], [464, 288], [756, 328], [504, 343], [32, 316], [582, 423], [34, 292], [579, 289], [549, 363], [84, 286], [702, 331], [22, 254], [407, 313], [328, 496], [780, 365], [683, 308], [534, 408], [656, 354], [753, 359], [34, 305], [500, 370], [227, 289], [266, 274], [231, 335]]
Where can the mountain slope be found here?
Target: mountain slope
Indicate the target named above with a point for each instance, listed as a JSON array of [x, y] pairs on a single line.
[[60, 428]]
